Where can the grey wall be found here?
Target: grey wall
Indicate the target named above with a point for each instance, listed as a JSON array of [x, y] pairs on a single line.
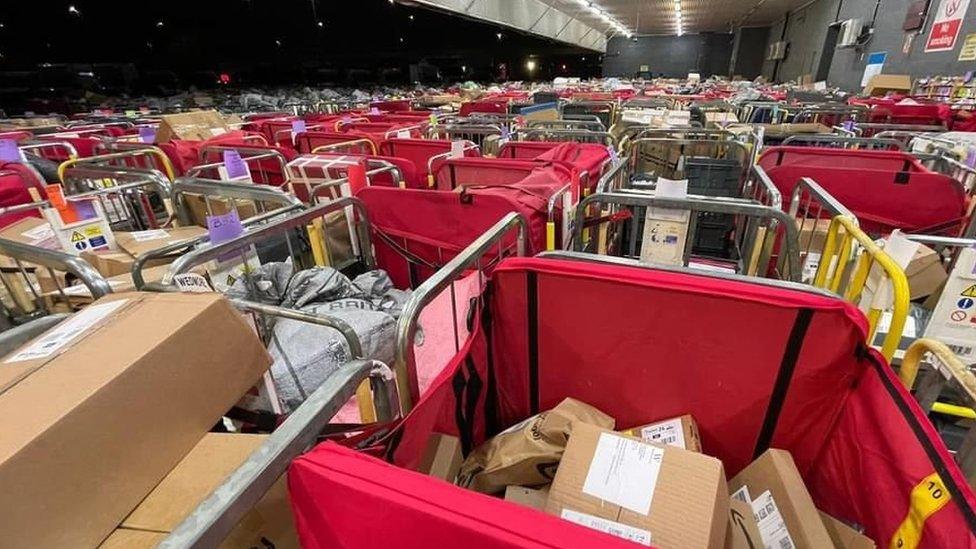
[[749, 52], [806, 31], [848, 66], [673, 56]]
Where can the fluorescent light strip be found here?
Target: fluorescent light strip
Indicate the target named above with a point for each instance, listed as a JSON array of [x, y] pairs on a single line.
[[605, 17]]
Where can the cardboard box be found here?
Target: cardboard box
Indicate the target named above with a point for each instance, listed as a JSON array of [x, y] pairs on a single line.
[[720, 119], [132, 539], [109, 263], [202, 470], [743, 531], [845, 537], [924, 270], [139, 242], [442, 457], [193, 125], [882, 84], [530, 497], [647, 493], [773, 486], [96, 411], [681, 432]]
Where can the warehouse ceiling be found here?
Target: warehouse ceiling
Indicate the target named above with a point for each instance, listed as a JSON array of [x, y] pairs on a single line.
[[660, 16]]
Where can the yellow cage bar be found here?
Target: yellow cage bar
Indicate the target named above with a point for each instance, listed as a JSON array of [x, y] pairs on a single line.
[[832, 272], [954, 367], [147, 151]]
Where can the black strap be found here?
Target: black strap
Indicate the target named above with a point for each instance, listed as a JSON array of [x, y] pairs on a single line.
[[492, 422], [958, 497], [532, 321], [473, 394], [783, 379], [459, 384]]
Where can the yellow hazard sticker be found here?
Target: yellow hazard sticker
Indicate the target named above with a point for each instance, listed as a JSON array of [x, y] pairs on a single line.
[[94, 230], [77, 237], [926, 499], [969, 292]]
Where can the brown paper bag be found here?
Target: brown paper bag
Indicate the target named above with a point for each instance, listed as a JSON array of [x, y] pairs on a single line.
[[527, 453]]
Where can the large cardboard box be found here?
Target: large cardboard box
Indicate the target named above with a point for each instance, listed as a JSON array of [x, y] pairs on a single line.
[[780, 501], [647, 493], [681, 432], [530, 497], [95, 412], [743, 531], [193, 125], [881, 84], [132, 539], [202, 470], [139, 242], [845, 537]]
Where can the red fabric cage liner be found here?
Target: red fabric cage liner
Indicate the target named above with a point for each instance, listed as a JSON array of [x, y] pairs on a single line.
[[757, 365], [15, 180]]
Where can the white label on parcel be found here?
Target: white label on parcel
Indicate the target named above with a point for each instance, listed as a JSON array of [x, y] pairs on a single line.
[[147, 236], [624, 472], [742, 494], [608, 526], [772, 527], [40, 233], [192, 283], [667, 432], [68, 330]]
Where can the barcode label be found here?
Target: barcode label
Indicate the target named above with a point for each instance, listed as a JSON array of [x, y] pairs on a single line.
[[667, 432], [68, 330], [772, 527], [608, 526]]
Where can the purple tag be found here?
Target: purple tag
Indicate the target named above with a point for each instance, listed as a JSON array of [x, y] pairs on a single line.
[[297, 127], [968, 77], [9, 151], [505, 133], [236, 168], [374, 110], [147, 134], [971, 157], [849, 125], [224, 227]]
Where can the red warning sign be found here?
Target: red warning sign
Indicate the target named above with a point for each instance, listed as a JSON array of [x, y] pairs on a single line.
[[958, 316]]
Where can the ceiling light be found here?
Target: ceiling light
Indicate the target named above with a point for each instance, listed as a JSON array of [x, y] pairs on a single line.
[[530, 65], [73, 10]]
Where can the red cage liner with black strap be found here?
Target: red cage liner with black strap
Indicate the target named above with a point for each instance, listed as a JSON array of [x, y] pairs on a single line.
[[886, 190], [757, 365]]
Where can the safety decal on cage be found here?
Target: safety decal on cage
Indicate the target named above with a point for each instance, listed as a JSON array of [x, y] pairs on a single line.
[[926, 499]]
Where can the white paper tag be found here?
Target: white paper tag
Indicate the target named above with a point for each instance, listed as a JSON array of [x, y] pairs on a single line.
[[147, 236], [667, 432], [608, 526], [671, 188], [810, 265], [79, 323], [217, 131], [192, 283], [772, 527], [403, 134], [624, 472], [457, 149], [42, 236]]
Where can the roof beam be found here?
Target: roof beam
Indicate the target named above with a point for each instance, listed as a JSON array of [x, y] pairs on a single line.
[[528, 16]]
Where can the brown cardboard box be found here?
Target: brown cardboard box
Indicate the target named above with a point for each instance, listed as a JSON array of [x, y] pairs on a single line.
[[193, 125], [881, 84], [92, 427], [772, 483], [720, 119], [742, 532], [215, 457], [530, 497], [109, 263], [925, 273], [442, 457], [640, 491], [845, 537], [680, 431], [132, 539], [140, 242]]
